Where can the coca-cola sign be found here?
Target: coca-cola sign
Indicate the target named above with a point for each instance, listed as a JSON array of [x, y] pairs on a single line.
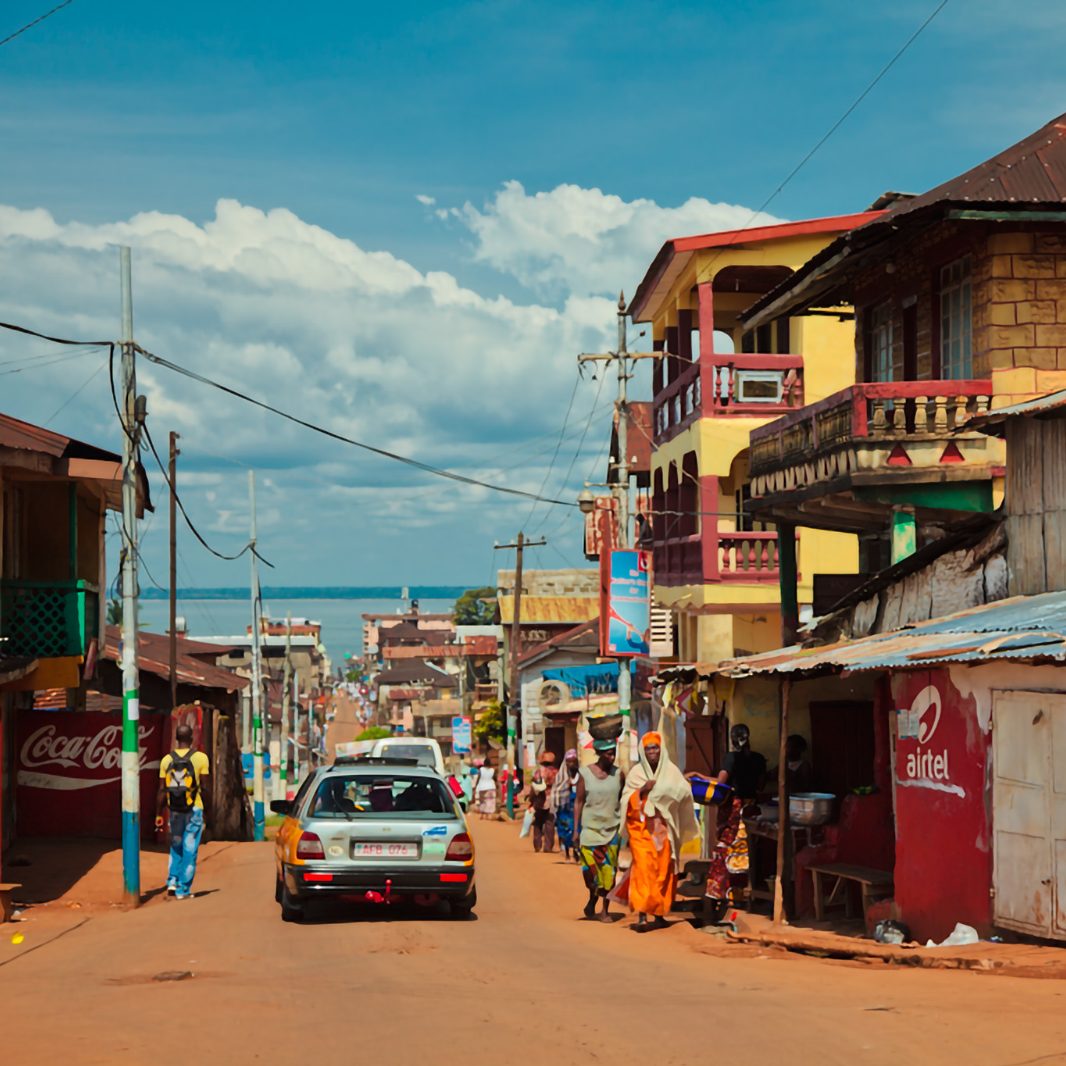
[[64, 752]]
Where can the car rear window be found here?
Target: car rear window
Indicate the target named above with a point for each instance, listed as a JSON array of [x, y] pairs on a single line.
[[423, 753], [382, 796]]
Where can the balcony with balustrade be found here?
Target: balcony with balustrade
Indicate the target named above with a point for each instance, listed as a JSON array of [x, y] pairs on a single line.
[[728, 385], [846, 461], [719, 556]]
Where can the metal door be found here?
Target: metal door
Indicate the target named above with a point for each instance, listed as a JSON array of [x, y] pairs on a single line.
[[1029, 811]]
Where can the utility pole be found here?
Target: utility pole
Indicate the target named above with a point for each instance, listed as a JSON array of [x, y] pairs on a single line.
[[174, 453], [259, 815], [295, 729], [620, 489], [281, 790], [131, 713], [514, 696]]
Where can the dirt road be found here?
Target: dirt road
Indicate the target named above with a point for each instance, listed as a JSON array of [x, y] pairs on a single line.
[[526, 978]]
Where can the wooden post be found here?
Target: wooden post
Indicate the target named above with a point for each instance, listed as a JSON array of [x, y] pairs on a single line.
[[784, 824], [788, 576]]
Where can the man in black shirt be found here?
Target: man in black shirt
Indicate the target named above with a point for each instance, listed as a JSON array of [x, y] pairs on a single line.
[[743, 768]]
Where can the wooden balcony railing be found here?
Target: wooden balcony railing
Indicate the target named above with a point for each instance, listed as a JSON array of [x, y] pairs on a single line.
[[868, 412], [47, 619], [729, 384], [748, 557], [728, 556]]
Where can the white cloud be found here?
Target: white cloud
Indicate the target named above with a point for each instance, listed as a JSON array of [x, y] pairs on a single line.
[[358, 341], [426, 201], [572, 239]]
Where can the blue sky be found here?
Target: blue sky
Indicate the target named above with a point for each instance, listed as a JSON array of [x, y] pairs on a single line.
[[554, 146]]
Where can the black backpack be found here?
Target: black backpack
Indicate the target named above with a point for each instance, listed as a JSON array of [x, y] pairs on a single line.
[[181, 783]]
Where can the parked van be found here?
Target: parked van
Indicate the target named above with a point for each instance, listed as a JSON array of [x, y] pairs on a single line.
[[425, 749]]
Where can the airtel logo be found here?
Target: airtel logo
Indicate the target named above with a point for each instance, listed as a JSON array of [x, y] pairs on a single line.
[[917, 722]]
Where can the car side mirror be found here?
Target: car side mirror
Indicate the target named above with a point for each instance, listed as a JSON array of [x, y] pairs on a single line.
[[281, 806]]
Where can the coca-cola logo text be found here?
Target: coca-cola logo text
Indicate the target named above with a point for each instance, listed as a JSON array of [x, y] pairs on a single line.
[[47, 747]]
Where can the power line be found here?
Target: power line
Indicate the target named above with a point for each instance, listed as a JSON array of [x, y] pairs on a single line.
[[738, 235], [74, 395], [315, 428], [580, 445], [555, 454], [36, 21], [189, 522]]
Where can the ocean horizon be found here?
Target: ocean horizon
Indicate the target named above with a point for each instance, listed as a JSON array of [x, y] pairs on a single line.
[[313, 592], [222, 612]]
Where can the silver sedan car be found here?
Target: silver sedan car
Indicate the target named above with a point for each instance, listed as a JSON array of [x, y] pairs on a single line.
[[374, 830]]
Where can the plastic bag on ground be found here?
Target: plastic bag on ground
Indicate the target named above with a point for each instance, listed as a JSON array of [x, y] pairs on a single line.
[[958, 937]]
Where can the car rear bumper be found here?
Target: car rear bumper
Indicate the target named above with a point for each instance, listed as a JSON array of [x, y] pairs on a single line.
[[314, 880]]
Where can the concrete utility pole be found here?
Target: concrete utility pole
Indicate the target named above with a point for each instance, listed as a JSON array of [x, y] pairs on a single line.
[[281, 787], [131, 755], [174, 453], [259, 815], [620, 488], [514, 696]]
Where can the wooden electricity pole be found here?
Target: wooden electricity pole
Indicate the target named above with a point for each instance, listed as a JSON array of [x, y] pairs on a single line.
[[174, 453], [514, 697]]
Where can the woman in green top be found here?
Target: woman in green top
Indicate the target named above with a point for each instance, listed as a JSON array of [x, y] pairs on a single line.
[[597, 824]]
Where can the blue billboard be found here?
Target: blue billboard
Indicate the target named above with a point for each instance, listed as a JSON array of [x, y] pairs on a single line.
[[627, 607]]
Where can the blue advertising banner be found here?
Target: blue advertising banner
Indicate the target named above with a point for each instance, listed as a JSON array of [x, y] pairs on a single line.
[[627, 604], [462, 735]]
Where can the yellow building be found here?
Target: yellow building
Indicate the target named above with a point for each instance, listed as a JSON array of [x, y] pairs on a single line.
[[715, 567]]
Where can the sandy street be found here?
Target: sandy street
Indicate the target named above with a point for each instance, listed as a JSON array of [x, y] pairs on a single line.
[[525, 979]]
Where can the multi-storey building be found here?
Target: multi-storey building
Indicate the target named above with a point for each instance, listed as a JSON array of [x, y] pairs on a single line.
[[715, 567]]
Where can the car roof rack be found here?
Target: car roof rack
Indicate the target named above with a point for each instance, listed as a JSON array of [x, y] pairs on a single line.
[[373, 760]]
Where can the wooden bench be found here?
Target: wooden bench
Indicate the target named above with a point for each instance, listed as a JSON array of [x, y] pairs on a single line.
[[875, 884], [7, 903]]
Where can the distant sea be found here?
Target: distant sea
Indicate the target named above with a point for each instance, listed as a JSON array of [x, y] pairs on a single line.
[[224, 612]]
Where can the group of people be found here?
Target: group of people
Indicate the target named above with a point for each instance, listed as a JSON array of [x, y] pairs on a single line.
[[592, 809]]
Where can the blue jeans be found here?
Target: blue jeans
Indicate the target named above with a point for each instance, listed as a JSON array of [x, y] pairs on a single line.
[[185, 832]]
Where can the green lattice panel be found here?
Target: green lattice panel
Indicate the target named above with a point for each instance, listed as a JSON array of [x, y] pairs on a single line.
[[42, 620]]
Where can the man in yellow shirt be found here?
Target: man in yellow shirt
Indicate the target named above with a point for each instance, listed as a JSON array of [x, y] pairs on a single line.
[[184, 791]]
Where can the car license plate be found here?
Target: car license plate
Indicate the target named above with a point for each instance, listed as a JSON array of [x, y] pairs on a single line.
[[391, 849]]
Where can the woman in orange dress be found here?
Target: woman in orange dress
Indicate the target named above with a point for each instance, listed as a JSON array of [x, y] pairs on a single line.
[[659, 817]]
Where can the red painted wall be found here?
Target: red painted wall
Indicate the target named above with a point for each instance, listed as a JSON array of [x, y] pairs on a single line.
[[69, 773], [943, 823]]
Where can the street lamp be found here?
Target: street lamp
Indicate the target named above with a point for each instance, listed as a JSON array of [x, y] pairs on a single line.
[[586, 502]]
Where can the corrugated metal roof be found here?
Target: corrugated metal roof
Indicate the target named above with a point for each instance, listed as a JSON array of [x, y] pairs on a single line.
[[550, 610], [1027, 174], [1053, 405], [153, 655], [1031, 171], [670, 260], [1022, 628]]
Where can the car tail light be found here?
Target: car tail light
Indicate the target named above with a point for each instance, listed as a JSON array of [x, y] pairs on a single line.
[[310, 847], [454, 879], [311, 876], [461, 849]]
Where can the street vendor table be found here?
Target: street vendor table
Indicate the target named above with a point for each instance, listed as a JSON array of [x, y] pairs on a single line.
[[760, 886]]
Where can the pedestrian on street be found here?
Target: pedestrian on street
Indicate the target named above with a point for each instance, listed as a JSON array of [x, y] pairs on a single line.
[[540, 802], [486, 791], [745, 771], [659, 817], [564, 794], [596, 815], [181, 789]]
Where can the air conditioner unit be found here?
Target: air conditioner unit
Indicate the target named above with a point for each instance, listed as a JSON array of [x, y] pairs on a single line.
[[553, 694], [758, 386], [661, 643]]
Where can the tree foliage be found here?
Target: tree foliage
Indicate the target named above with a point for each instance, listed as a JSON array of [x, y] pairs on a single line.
[[491, 724], [374, 732], [476, 607]]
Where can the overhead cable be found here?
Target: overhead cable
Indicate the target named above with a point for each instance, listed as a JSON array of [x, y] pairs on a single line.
[[373, 449]]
